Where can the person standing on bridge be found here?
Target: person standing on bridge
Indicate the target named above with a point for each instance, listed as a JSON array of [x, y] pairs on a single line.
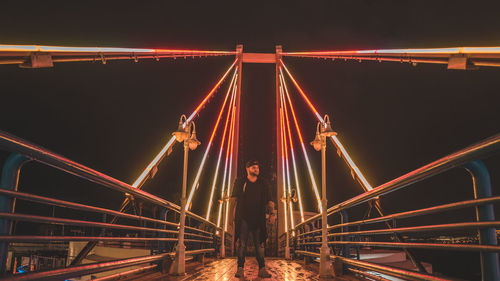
[[253, 203]]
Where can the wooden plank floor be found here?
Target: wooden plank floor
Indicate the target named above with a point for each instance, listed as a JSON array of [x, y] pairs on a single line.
[[224, 270]]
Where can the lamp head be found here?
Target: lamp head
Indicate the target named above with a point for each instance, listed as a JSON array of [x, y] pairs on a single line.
[[327, 130], [182, 131], [316, 143], [193, 142]]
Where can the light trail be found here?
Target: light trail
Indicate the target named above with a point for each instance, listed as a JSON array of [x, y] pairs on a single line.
[[302, 92], [142, 178], [364, 183], [106, 50], [293, 156], [209, 144], [311, 175], [224, 180], [286, 159], [209, 208], [210, 93], [230, 165], [283, 167]]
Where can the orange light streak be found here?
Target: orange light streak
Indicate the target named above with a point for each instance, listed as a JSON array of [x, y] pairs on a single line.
[[336, 141], [210, 93], [142, 178], [302, 93], [364, 183], [222, 203], [209, 208], [283, 167], [230, 164], [286, 159], [311, 175], [209, 145], [293, 155]]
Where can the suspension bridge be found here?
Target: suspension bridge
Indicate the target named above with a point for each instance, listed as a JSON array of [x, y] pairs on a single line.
[[167, 241]]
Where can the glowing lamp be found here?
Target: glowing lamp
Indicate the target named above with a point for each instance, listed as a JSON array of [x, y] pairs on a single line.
[[181, 133], [193, 142], [316, 143], [327, 130]]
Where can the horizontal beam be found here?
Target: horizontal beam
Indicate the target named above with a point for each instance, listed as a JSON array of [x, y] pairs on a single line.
[[259, 58], [455, 58], [36, 56]]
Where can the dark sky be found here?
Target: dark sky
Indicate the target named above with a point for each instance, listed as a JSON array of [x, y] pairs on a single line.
[[392, 117]]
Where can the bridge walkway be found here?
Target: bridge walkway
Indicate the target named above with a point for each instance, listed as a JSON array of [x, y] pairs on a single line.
[[224, 269]]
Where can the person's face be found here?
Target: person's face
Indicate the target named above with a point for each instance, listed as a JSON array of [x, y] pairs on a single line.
[[253, 170]]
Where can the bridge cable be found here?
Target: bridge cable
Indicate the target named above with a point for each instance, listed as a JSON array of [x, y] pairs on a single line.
[[292, 152], [209, 207], [154, 163], [209, 144], [224, 178], [230, 184], [288, 182], [304, 151], [336, 141]]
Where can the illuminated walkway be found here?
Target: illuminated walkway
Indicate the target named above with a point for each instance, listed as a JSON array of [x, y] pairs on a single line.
[[224, 269]]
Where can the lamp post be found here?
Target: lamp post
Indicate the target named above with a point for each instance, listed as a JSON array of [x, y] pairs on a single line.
[[319, 143], [188, 136]]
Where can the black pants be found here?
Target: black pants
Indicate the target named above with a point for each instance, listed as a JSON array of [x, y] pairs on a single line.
[[259, 245]]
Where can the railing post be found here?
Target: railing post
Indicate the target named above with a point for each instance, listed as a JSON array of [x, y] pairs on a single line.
[[9, 180], [487, 236]]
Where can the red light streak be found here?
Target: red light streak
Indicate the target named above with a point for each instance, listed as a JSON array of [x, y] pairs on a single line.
[[209, 208], [364, 183], [113, 50], [210, 93], [209, 145], [221, 204], [302, 93], [142, 178], [311, 175], [293, 154], [230, 163], [283, 166], [286, 158]]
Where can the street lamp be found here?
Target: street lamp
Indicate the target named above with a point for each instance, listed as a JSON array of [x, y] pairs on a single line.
[[188, 136], [323, 130]]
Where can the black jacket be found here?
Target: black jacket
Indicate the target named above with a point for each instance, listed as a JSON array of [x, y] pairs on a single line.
[[260, 207]]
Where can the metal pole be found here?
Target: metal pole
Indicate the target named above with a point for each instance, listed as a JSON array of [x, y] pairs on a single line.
[[234, 173], [281, 222], [487, 236], [180, 254], [223, 234], [324, 264], [9, 180]]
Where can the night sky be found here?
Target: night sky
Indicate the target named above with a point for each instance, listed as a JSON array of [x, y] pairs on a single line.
[[392, 117]]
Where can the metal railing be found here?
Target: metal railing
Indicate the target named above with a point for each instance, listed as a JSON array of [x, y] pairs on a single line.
[[158, 233], [346, 242]]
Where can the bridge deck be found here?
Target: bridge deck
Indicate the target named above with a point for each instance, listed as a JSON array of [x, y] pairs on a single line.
[[224, 269]]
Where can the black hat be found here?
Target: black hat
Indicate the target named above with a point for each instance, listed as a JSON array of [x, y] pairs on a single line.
[[252, 162]]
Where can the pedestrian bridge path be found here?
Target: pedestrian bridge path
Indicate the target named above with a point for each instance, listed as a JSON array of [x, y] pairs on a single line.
[[224, 270]]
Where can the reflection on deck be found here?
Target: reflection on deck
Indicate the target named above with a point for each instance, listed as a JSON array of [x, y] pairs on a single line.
[[224, 270]]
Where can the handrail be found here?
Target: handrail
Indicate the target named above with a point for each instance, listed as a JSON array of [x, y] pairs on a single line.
[[42, 155], [78, 206], [473, 152]]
